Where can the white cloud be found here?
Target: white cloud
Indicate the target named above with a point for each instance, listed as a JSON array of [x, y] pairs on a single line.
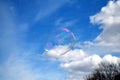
[[108, 15], [111, 58], [78, 61], [109, 19]]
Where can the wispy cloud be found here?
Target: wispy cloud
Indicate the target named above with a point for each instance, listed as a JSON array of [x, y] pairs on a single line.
[[61, 22], [16, 68], [13, 65], [49, 8], [15, 55]]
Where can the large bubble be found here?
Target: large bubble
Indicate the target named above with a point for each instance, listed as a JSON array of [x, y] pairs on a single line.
[[61, 37]]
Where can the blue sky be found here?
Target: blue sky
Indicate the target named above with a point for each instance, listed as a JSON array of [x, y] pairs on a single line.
[[26, 27]]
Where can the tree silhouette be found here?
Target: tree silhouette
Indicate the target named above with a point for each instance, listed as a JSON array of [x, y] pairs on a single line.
[[106, 71]]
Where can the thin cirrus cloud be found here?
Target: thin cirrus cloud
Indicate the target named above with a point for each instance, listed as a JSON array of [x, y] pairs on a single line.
[[16, 68], [80, 61], [15, 55], [49, 8], [12, 65], [62, 23]]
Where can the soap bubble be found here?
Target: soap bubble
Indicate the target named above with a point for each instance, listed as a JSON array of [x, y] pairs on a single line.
[[62, 37]]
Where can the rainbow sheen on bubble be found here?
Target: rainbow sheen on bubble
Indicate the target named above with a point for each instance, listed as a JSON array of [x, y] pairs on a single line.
[[62, 37]]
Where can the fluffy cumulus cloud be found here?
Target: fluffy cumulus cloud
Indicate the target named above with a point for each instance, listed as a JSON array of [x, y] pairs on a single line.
[[109, 19], [79, 62]]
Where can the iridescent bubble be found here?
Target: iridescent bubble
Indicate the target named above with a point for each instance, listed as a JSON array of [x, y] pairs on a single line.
[[62, 37]]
